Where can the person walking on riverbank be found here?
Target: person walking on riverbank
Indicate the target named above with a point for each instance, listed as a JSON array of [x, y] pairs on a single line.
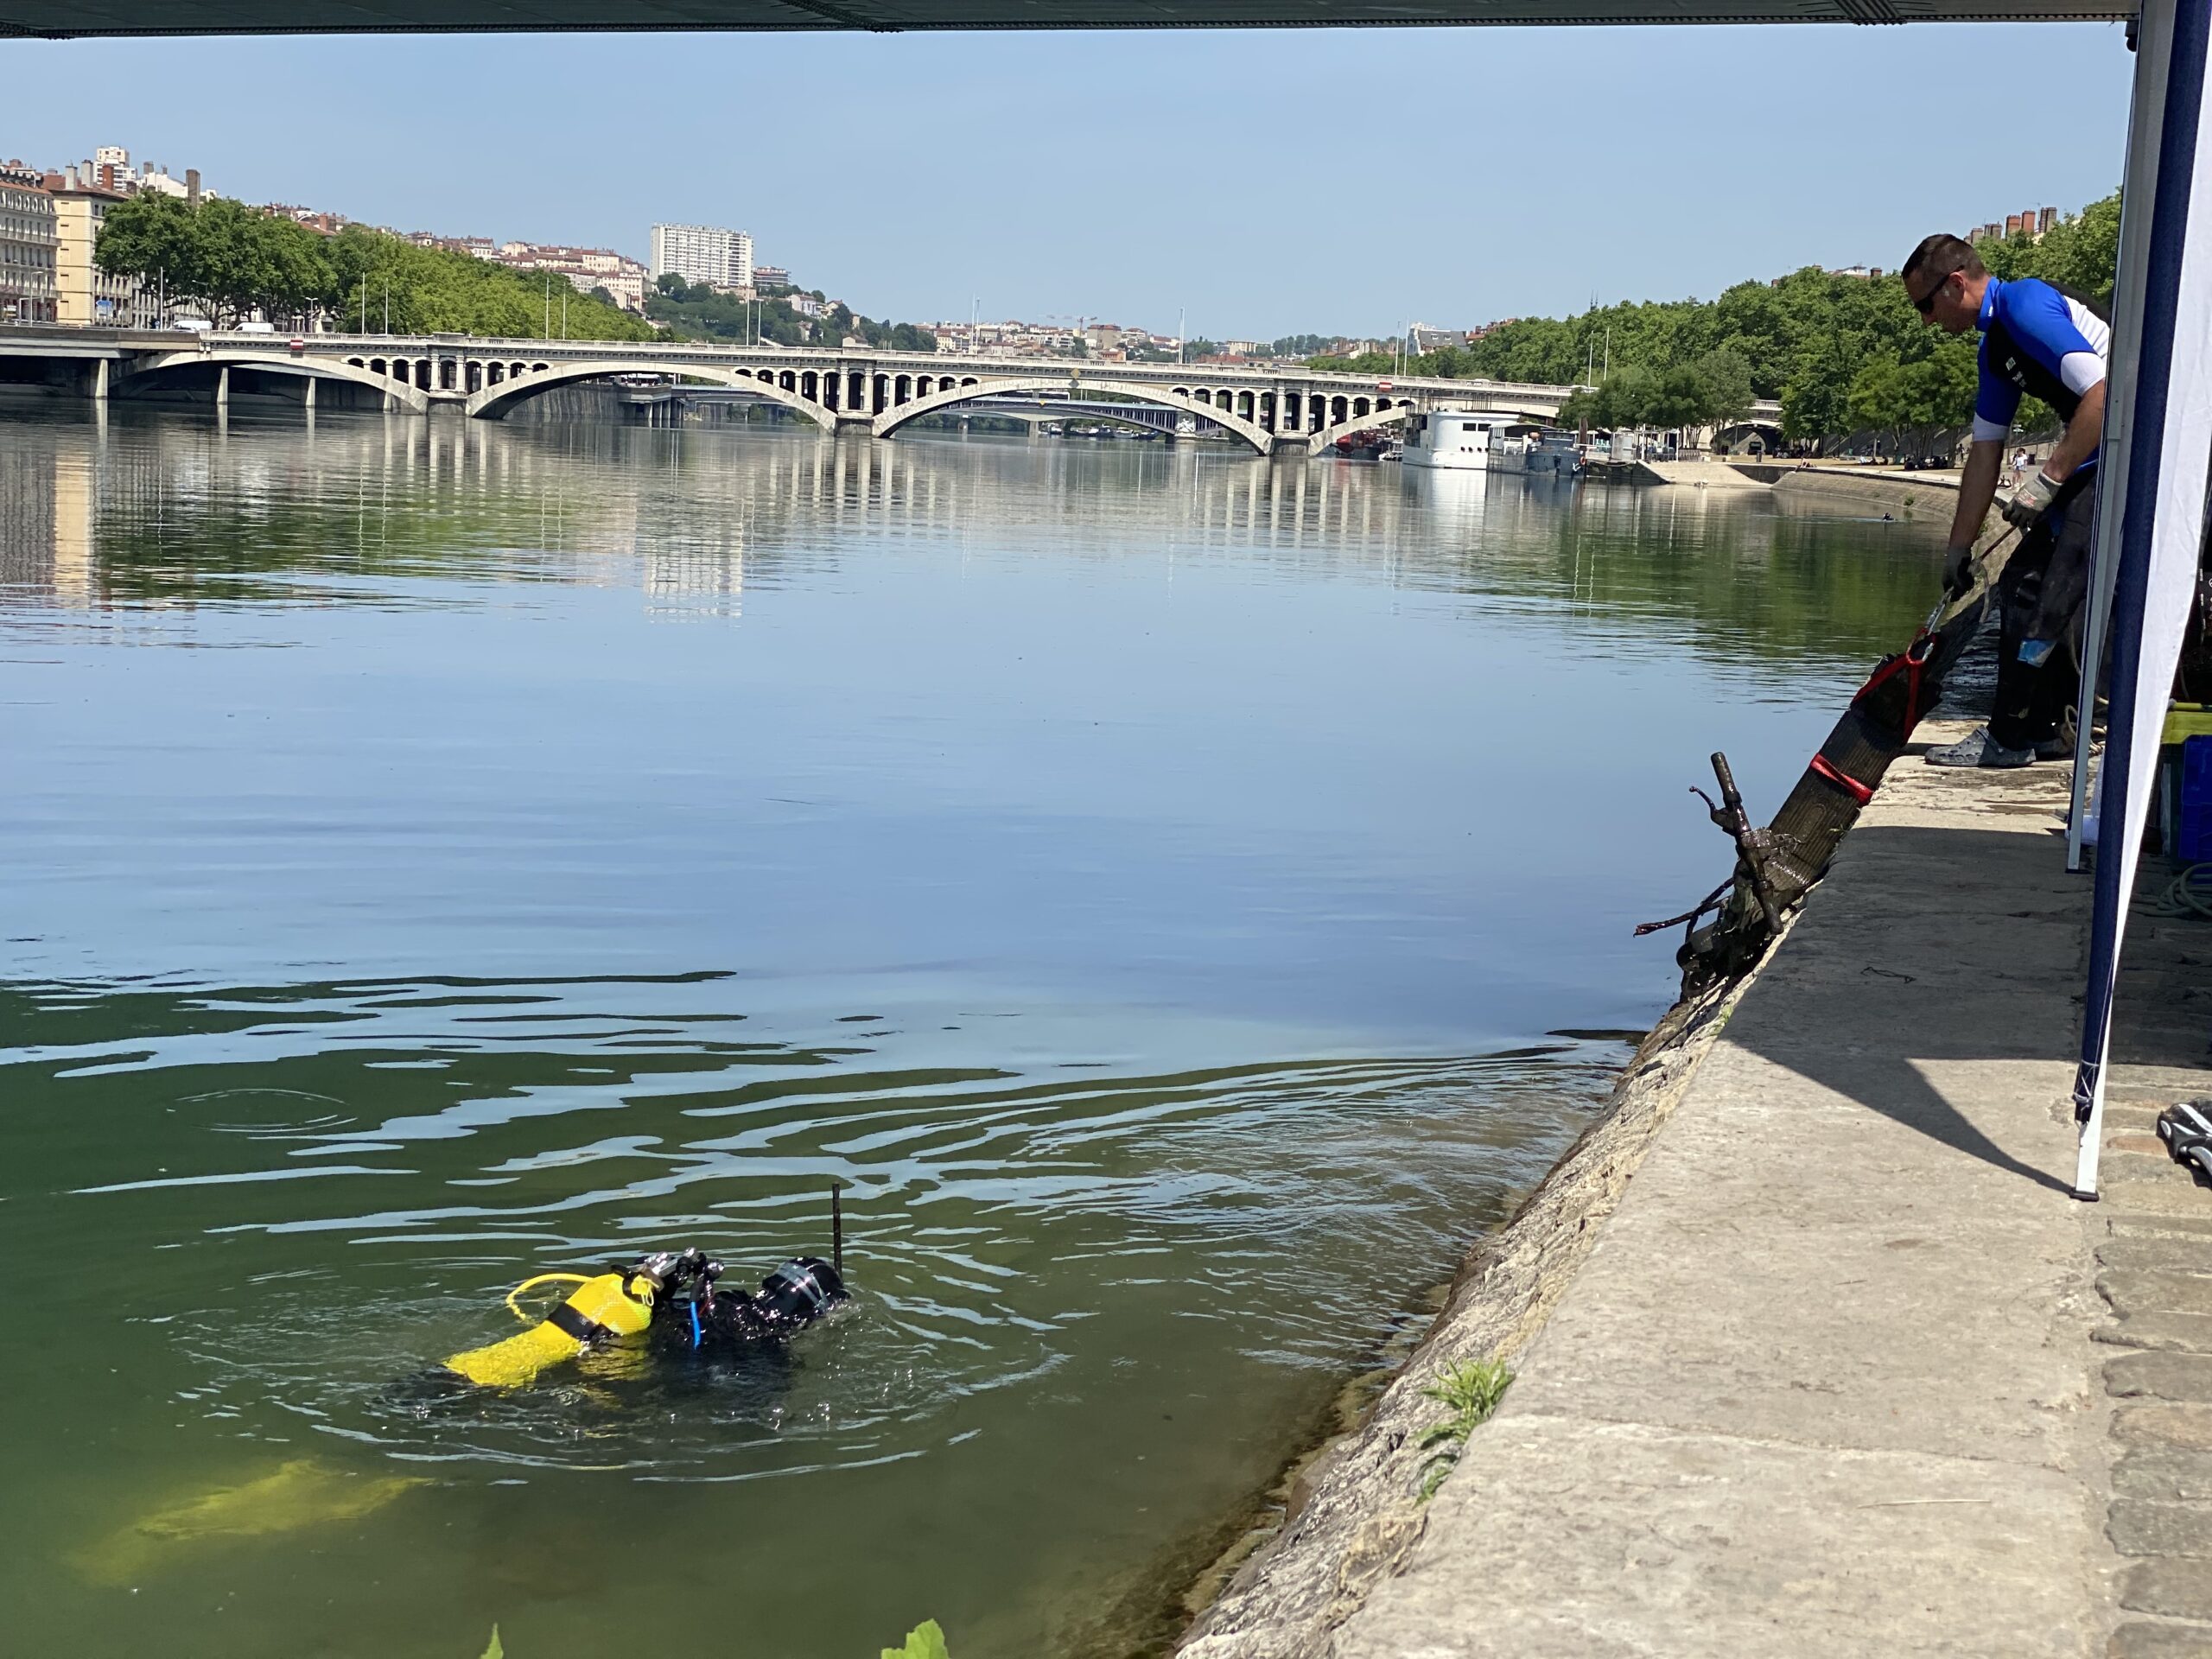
[[2036, 340]]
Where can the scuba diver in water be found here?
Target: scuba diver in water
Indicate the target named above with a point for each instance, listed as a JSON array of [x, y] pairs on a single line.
[[666, 1303], [663, 1306]]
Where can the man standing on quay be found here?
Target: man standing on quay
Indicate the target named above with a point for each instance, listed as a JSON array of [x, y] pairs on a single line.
[[2038, 340]]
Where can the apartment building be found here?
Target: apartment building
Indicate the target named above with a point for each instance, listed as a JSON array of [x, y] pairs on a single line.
[[584, 268], [703, 253], [27, 245], [83, 294]]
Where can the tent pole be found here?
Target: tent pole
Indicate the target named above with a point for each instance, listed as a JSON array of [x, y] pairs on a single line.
[[2162, 524], [2139, 187]]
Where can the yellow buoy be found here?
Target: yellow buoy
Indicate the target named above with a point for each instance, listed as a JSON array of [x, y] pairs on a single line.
[[606, 1308]]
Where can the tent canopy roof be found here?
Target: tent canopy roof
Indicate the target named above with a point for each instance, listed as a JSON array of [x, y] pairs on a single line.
[[62, 19]]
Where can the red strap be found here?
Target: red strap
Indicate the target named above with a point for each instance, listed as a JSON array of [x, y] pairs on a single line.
[[1858, 790]]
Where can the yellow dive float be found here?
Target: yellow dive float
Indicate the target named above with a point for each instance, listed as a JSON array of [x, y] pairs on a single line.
[[603, 1308]]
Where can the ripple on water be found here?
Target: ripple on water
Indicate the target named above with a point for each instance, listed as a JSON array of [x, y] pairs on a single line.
[[994, 1211]]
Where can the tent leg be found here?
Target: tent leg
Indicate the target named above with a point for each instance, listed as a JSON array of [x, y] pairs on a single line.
[[2138, 186], [2092, 1143], [2161, 523]]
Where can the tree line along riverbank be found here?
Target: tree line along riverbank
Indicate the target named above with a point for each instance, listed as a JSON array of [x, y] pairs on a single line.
[[1843, 353]]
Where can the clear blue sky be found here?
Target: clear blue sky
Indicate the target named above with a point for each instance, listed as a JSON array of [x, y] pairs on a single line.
[[1271, 182]]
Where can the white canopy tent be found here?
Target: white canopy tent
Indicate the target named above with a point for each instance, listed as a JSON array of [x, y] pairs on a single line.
[[2152, 489]]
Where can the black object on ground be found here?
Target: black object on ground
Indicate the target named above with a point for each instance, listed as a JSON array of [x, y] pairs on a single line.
[[1776, 865]]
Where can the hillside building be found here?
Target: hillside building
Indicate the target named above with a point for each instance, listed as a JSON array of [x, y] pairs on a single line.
[[703, 253]]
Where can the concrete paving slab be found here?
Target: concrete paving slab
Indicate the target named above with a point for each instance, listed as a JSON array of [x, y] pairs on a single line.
[[1657, 1544]]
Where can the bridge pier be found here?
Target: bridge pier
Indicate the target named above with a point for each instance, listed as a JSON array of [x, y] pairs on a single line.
[[1290, 446], [850, 425], [223, 388], [99, 382]]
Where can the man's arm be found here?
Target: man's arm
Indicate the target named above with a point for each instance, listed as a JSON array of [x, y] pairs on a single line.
[[2082, 435], [1978, 488]]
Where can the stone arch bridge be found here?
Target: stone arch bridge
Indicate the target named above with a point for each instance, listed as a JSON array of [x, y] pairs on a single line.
[[1275, 410]]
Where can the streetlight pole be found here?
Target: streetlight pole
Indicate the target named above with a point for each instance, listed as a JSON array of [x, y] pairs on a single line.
[[1182, 335]]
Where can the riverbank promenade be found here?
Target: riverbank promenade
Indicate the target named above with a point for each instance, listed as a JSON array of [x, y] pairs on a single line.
[[1848, 1371]]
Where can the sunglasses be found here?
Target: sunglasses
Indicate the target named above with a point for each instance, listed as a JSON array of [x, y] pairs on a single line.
[[1926, 303]]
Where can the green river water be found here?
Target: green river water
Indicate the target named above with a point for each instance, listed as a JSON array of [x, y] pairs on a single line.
[[1156, 881]]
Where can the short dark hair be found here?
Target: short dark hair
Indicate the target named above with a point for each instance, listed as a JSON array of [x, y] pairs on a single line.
[[1941, 254]]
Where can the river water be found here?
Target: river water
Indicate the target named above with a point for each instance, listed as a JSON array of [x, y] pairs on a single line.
[[1186, 899]]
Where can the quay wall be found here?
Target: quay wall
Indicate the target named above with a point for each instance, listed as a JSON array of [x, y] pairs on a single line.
[[1806, 1332]]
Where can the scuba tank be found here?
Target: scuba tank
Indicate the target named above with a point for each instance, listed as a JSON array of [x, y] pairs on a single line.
[[604, 1308]]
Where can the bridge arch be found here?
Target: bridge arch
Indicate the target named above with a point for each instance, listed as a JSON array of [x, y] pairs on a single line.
[[1396, 412], [970, 389], [1388, 412], [1769, 433], [493, 402], [317, 368]]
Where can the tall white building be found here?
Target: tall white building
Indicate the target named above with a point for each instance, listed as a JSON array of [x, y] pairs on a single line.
[[703, 253]]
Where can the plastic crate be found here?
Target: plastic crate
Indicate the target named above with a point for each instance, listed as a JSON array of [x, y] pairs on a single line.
[[2193, 821]]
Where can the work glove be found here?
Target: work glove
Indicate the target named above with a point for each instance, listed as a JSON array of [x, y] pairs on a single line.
[[2032, 499], [1958, 570]]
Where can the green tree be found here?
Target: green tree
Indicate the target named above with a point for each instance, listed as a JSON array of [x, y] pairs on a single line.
[[220, 254], [232, 259], [1914, 402], [1805, 337], [151, 237]]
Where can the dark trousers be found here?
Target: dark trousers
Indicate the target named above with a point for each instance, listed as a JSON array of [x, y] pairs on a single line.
[[2039, 596]]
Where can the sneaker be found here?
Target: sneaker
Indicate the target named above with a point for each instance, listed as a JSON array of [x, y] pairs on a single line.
[[1978, 748]]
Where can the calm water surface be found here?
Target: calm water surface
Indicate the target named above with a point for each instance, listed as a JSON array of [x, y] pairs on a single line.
[[1155, 881]]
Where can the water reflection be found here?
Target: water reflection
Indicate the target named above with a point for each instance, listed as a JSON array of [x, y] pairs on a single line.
[[180, 511]]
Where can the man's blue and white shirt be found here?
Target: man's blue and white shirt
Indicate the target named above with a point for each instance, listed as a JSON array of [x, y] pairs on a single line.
[[2036, 340]]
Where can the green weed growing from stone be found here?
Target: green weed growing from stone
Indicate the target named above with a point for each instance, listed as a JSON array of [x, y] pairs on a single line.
[[924, 1641], [1473, 1390]]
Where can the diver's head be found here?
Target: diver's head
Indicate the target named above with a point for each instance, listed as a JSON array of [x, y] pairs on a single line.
[[800, 1291]]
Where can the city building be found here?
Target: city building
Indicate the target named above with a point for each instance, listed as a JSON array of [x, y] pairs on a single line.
[[478, 247], [110, 168], [584, 268], [703, 253], [771, 277], [314, 218], [27, 245], [83, 294], [2033, 224]]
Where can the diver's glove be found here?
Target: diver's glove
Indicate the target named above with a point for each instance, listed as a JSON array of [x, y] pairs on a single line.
[[1958, 570], [2032, 499]]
